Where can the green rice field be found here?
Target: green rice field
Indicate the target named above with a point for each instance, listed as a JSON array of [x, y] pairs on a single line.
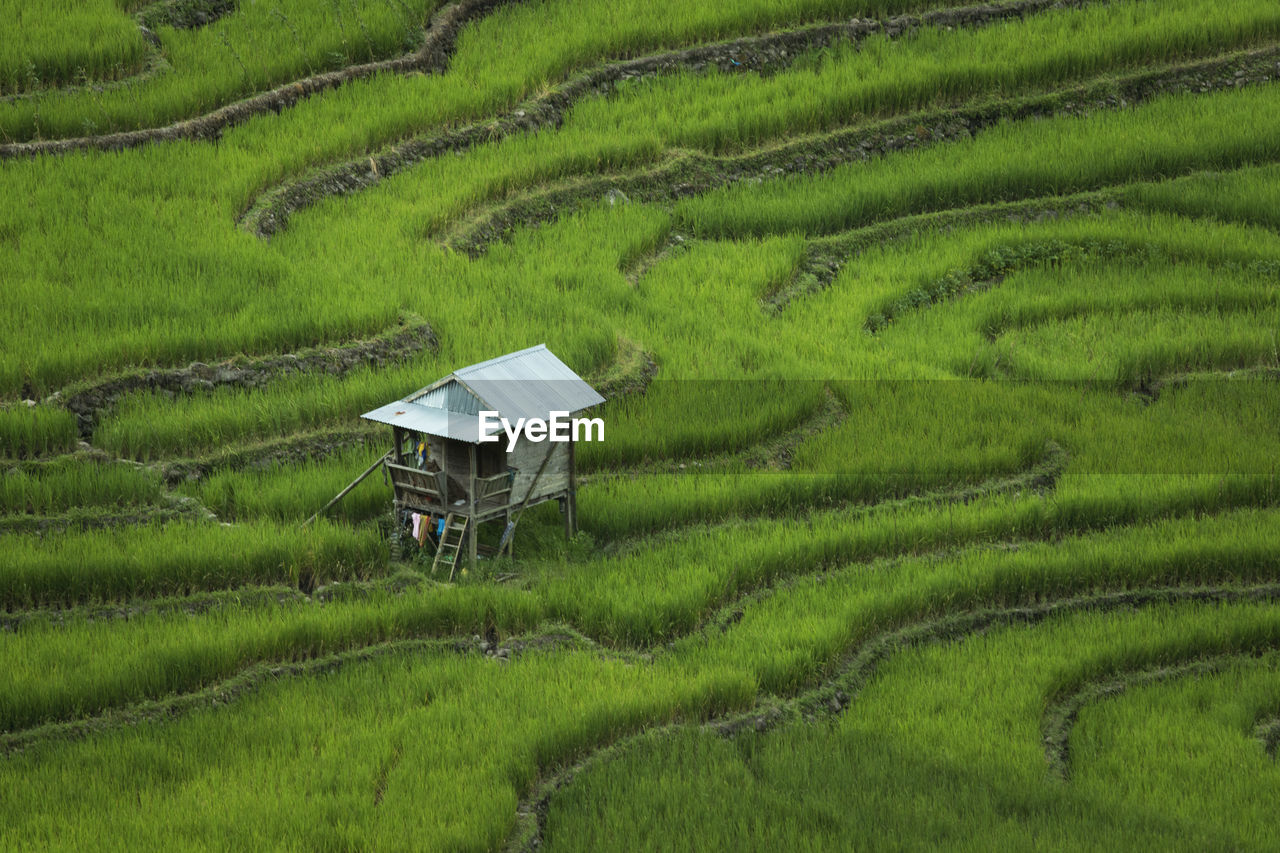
[[939, 500]]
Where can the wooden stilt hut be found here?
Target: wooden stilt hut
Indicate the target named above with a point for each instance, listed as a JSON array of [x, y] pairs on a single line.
[[441, 470]]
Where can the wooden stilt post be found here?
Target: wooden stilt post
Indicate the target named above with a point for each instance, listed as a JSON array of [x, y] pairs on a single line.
[[509, 533], [571, 500], [471, 496]]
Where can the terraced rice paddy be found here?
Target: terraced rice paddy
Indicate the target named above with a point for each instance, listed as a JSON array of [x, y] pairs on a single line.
[[940, 500]]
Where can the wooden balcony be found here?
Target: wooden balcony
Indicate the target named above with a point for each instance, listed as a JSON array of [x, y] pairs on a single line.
[[432, 492]]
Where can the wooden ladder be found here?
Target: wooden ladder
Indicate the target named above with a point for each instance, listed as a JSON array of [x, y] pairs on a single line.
[[450, 547]]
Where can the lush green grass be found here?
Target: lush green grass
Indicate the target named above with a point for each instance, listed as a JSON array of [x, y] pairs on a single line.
[[258, 46], [662, 592], [37, 431], [50, 44], [72, 666], [1143, 345], [505, 722], [57, 487], [952, 266], [1015, 160], [1244, 195], [275, 289], [179, 558], [585, 283], [147, 425], [930, 66], [292, 492], [966, 412], [254, 47], [944, 747], [877, 452], [840, 86], [1120, 748], [408, 751], [191, 425], [1111, 324], [801, 634], [279, 304]]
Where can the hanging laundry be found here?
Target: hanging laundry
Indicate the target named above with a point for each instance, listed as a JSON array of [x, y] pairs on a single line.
[[417, 522], [423, 454]]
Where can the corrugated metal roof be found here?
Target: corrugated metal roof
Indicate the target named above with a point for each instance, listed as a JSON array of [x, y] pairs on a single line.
[[530, 383], [452, 396], [429, 420]]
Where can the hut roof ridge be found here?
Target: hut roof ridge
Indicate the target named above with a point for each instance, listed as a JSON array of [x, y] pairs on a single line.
[[527, 383]]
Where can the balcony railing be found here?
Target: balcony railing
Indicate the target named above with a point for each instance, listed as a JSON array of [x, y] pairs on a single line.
[[426, 490]]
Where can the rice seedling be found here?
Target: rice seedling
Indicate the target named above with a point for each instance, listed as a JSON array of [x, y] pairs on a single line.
[[149, 425], [553, 721], [929, 67], [292, 492], [801, 637], [254, 47], [1244, 195], [281, 308], [424, 743], [1120, 746], [258, 46], [840, 423], [944, 744], [36, 431], [1154, 343], [1015, 160], [108, 565], [840, 86], [71, 667], [53, 44], [54, 673], [146, 425], [665, 590], [59, 486]]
